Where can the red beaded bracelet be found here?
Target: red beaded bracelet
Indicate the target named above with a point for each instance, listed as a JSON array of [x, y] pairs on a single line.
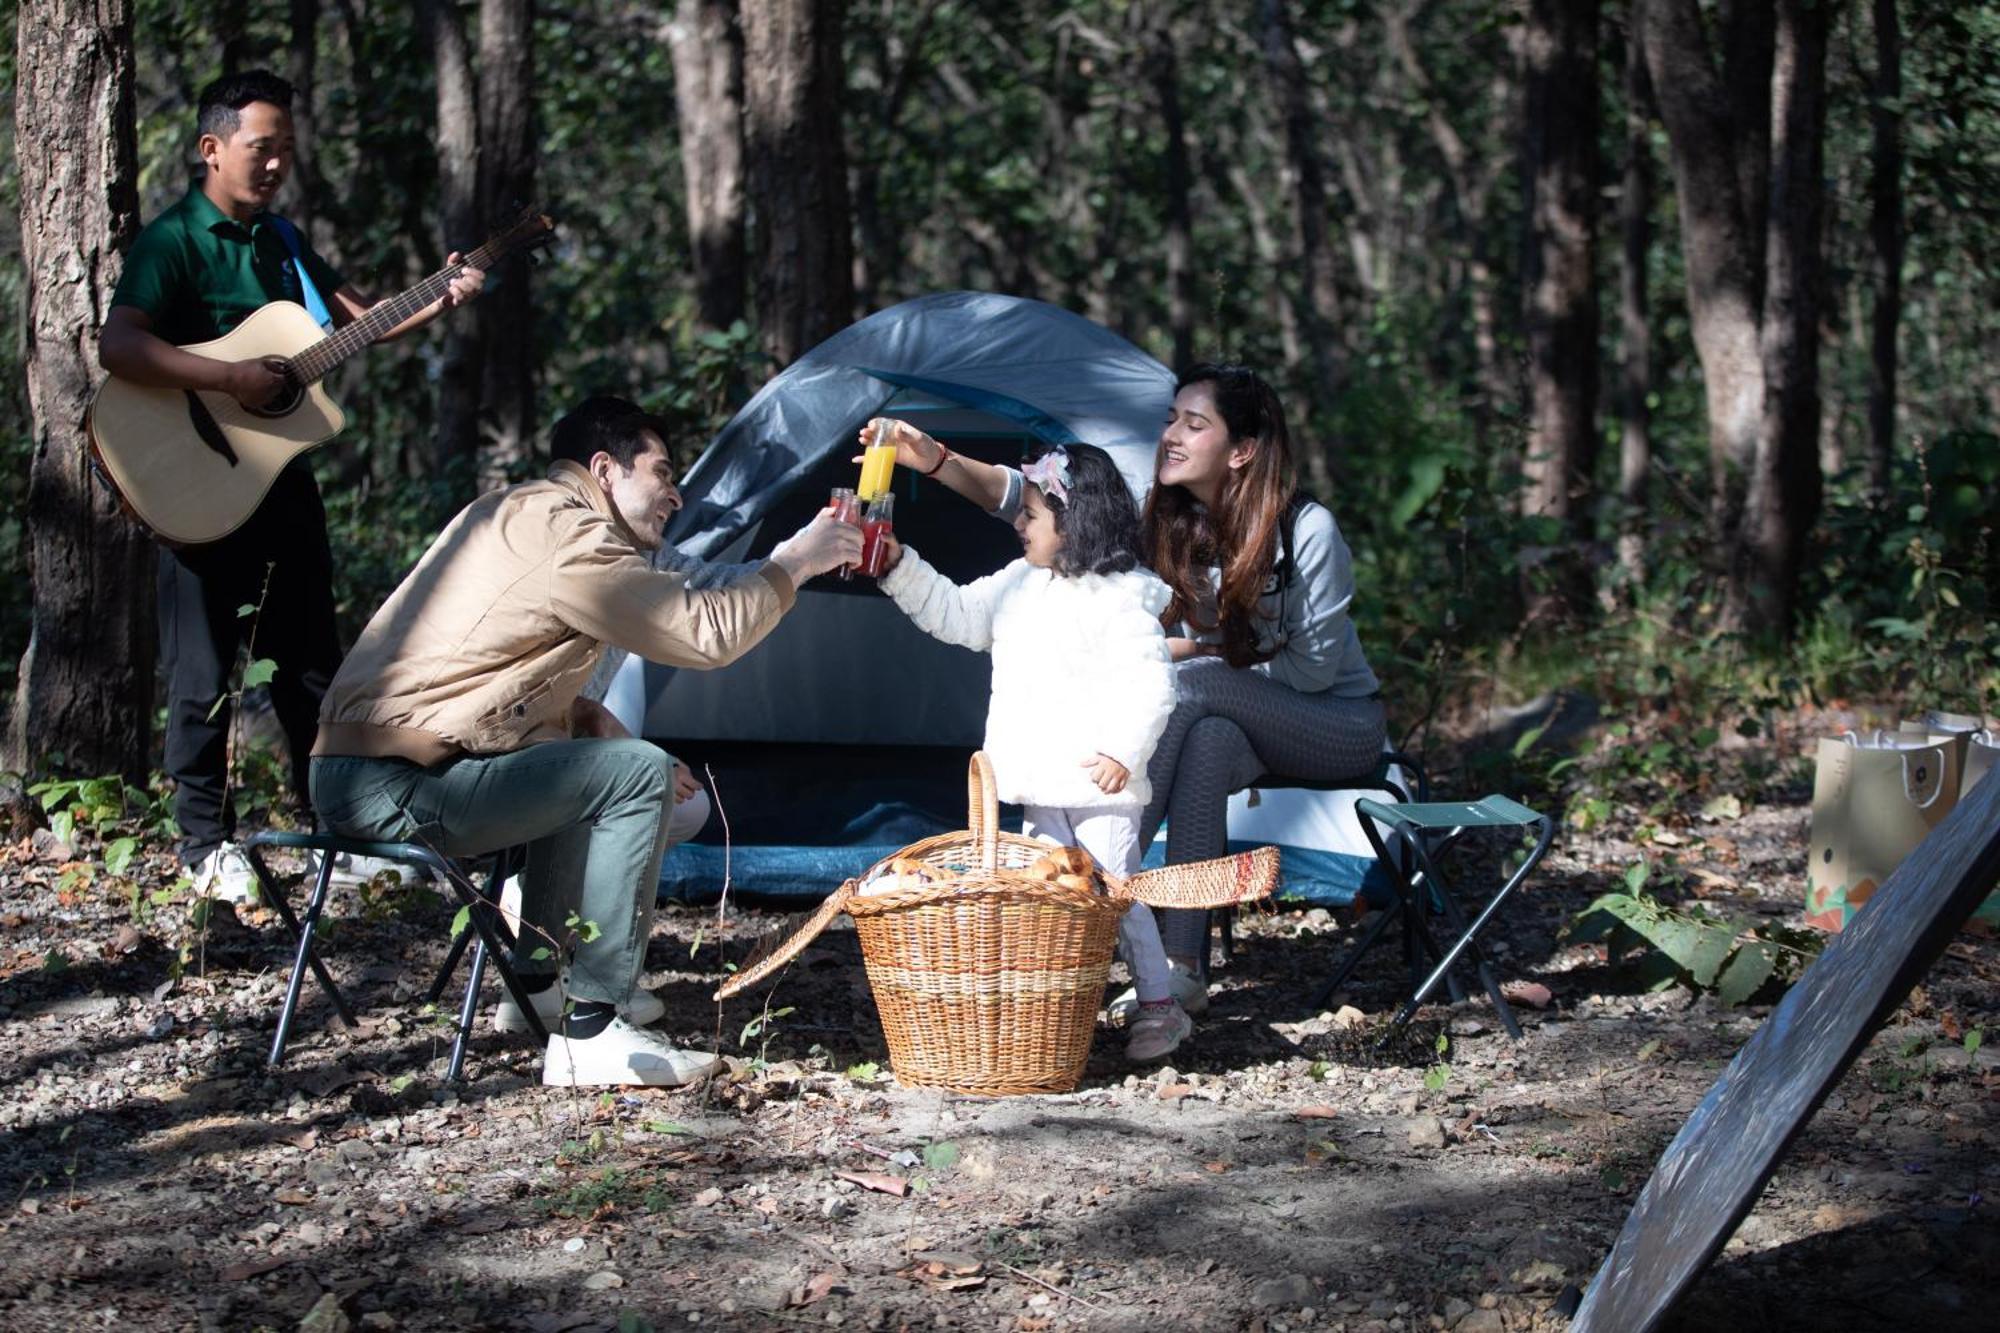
[[944, 456]]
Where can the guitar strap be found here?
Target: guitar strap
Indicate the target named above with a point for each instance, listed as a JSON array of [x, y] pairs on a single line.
[[315, 306]]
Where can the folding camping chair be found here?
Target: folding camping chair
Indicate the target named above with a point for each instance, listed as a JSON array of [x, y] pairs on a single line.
[[494, 939], [1426, 829]]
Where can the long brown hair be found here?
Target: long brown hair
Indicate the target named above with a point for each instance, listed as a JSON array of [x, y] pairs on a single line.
[[1182, 540]]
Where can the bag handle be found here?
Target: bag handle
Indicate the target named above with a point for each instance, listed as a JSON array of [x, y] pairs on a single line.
[[1936, 791], [982, 810], [806, 933]]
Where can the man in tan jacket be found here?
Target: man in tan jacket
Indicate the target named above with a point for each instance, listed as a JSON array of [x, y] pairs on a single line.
[[457, 719]]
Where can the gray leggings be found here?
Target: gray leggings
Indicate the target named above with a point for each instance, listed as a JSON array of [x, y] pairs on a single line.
[[1230, 727]]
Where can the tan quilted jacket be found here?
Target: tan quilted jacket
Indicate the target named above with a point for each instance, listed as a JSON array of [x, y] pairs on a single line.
[[492, 636]]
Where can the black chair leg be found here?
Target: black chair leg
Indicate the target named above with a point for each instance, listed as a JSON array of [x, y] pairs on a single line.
[[306, 957], [468, 1009]]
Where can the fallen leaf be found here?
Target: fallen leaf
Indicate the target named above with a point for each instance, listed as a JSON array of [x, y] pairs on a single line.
[[305, 1139], [818, 1289], [708, 1198], [950, 1261], [1173, 1092], [1347, 1016], [1031, 1323], [250, 1268], [877, 1181], [1216, 1168], [1314, 1112], [1531, 993], [292, 1196], [1949, 1024], [768, 1206]]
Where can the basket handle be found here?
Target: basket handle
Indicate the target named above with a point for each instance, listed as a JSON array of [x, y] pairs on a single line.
[[806, 933], [1223, 882], [982, 810]]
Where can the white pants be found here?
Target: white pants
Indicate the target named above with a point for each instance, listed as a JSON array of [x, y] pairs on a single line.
[[1111, 835]]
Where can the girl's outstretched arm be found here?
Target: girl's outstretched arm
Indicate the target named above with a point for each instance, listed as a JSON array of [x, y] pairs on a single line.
[[982, 483], [941, 608]]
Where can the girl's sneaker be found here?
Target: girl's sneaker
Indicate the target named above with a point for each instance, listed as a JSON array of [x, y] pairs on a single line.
[[1157, 1032], [1183, 983]]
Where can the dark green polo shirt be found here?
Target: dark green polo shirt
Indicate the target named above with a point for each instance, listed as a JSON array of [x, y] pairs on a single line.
[[199, 273]]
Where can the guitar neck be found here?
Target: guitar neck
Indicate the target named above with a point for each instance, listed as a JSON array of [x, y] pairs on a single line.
[[322, 357]]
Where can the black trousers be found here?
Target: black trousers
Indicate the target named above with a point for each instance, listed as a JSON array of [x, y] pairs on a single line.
[[202, 589]]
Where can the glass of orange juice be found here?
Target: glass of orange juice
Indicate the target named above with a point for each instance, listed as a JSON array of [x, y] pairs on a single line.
[[878, 465]]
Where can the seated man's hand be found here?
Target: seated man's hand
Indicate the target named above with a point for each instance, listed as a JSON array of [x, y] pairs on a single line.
[[685, 786], [825, 543], [591, 719], [1109, 775]]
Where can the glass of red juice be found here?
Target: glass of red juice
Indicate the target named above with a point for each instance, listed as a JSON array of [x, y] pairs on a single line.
[[847, 509], [877, 524]]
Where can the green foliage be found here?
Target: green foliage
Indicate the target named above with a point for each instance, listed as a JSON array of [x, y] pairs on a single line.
[[1736, 960]]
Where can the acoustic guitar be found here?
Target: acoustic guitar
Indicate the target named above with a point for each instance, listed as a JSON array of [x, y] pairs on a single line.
[[193, 465]]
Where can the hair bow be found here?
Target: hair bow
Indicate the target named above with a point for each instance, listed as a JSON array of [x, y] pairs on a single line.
[[1051, 473]]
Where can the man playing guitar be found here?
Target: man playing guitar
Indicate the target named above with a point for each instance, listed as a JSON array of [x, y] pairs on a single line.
[[193, 274]]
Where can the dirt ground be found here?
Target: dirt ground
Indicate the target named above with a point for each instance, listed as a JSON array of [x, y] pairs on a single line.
[[1284, 1174]]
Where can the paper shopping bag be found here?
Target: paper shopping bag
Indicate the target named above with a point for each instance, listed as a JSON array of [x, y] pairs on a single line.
[[1874, 799]]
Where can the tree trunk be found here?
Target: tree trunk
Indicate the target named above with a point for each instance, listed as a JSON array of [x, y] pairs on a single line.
[[232, 33], [1724, 259], [1318, 292], [506, 185], [797, 172], [1635, 224], [302, 191], [708, 100], [1885, 229], [1561, 294], [1164, 70], [86, 681], [1785, 481], [459, 366]]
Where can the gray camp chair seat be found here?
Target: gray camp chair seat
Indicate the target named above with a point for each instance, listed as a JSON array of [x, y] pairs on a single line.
[[1427, 828]]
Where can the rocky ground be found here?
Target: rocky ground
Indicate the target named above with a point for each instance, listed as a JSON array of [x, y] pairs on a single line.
[[1286, 1174]]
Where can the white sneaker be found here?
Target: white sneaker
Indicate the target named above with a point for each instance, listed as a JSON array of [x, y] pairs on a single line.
[[1184, 984], [1156, 1033], [349, 869], [225, 874], [643, 1010], [622, 1055]]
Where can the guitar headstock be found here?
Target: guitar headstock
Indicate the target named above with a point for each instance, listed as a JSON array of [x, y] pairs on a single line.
[[530, 230]]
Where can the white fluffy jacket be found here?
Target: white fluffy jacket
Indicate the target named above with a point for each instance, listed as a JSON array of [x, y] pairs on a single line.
[[1080, 668]]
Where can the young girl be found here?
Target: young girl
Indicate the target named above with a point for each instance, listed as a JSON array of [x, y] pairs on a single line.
[[1082, 684]]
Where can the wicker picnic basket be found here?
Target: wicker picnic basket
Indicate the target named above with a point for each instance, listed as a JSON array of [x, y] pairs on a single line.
[[989, 979]]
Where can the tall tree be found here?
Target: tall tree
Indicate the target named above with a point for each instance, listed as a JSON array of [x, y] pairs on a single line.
[[506, 184], [797, 172], [1723, 250], [1784, 492], [86, 681], [1635, 225], [1885, 231], [708, 97], [1319, 293], [459, 217], [1560, 284], [302, 69], [1163, 68]]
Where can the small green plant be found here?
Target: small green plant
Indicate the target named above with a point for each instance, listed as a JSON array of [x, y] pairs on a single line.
[[1692, 947], [1438, 1076], [864, 1073]]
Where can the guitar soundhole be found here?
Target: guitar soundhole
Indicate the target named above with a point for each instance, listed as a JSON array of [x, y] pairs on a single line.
[[293, 394]]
